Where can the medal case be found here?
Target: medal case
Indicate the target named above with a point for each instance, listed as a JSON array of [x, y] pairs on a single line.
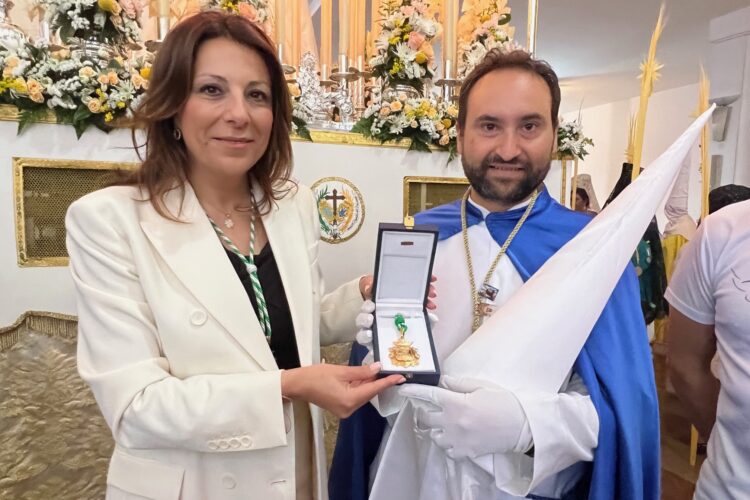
[[403, 267]]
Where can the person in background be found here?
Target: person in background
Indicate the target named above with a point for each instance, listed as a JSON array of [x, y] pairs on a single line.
[[582, 203], [585, 200], [709, 295], [200, 301]]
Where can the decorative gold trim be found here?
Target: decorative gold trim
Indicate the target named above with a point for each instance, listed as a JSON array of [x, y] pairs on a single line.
[[49, 323], [339, 137], [19, 164], [10, 113], [415, 179], [356, 190]]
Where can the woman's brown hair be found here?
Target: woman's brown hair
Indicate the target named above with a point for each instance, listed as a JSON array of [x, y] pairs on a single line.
[[166, 161]]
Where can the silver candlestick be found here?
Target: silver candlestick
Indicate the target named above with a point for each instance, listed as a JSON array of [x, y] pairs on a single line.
[[10, 34], [449, 81], [288, 70]]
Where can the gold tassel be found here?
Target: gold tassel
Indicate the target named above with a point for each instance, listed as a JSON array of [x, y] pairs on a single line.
[[703, 94], [649, 75], [54, 324]]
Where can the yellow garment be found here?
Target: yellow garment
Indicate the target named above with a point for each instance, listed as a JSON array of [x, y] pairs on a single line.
[[671, 246]]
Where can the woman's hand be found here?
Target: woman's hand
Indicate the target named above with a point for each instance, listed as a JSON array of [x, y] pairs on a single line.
[[365, 288], [338, 389]]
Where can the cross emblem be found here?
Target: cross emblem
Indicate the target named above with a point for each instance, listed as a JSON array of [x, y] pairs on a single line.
[[335, 198]]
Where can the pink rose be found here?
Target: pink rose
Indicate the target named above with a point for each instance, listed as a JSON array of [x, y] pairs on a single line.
[[132, 8], [248, 11], [407, 10], [415, 40]]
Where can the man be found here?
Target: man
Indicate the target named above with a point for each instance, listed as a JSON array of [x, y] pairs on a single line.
[[709, 295], [599, 436]]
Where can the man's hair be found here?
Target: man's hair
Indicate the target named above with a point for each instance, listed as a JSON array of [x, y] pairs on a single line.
[[584, 196], [518, 59], [729, 194]]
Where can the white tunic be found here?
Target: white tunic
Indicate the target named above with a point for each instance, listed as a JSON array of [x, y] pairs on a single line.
[[564, 427]]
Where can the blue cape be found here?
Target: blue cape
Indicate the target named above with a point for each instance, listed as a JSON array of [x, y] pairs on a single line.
[[615, 364]]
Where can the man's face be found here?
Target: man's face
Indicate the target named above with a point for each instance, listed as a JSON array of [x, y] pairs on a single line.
[[508, 138]]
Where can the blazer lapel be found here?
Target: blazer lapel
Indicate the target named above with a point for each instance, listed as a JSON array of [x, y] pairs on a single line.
[[285, 233], [193, 252]]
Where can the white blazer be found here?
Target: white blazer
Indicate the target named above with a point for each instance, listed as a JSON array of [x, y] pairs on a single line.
[[175, 356]]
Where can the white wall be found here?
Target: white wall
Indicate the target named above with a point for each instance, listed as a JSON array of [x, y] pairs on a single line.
[[729, 72], [669, 114], [377, 171]]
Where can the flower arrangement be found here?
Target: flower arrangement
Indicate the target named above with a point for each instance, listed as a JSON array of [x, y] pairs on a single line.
[[426, 122], [404, 51], [257, 11], [79, 90], [571, 141], [114, 22], [485, 27]]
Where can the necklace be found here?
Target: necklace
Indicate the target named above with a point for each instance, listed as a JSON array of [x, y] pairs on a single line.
[[482, 300], [252, 269]]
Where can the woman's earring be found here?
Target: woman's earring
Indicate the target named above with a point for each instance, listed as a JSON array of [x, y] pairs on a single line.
[[177, 134]]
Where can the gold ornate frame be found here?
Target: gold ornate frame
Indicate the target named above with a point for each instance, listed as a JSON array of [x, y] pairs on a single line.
[[19, 164], [413, 179], [356, 190]]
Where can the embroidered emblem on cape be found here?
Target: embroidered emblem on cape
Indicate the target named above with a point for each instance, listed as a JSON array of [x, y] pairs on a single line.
[[341, 208]]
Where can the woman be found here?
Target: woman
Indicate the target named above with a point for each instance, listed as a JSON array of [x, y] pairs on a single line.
[[199, 293]]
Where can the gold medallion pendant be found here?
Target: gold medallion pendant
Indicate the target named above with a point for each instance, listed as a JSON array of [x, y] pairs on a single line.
[[402, 353]]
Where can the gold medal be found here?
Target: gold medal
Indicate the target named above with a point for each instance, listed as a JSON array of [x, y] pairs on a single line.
[[402, 353]]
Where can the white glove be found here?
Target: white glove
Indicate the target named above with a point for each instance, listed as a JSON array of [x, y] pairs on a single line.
[[364, 322], [364, 329], [470, 419]]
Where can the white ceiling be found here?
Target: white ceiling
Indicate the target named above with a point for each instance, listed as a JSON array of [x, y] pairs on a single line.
[[596, 46]]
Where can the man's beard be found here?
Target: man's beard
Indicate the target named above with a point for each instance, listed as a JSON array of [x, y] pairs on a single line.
[[508, 193]]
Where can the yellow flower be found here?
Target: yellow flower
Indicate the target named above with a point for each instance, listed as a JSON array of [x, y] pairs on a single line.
[[94, 106], [420, 58], [86, 72], [20, 86], [112, 78], [396, 106], [7, 72], [109, 6], [483, 18], [432, 114], [452, 111], [120, 104], [424, 106], [446, 123], [145, 72], [394, 40], [408, 109], [12, 61], [108, 117], [34, 87], [36, 97]]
